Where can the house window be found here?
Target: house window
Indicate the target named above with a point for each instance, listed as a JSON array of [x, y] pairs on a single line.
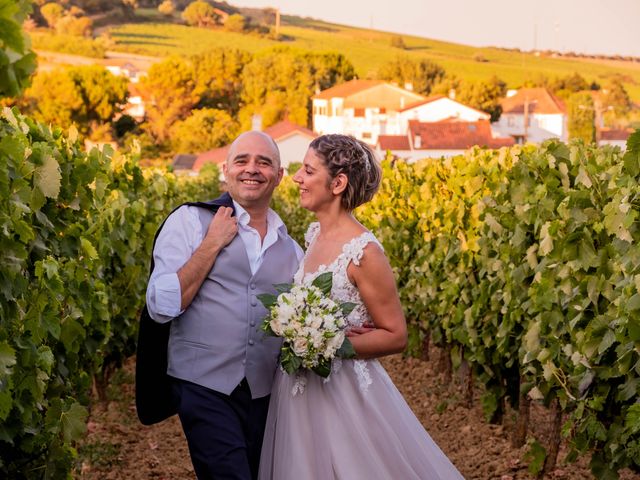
[[366, 135], [511, 122]]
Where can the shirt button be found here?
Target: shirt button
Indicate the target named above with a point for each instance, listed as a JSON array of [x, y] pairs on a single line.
[[251, 342]]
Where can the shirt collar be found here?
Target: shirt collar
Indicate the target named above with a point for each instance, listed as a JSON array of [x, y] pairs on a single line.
[[273, 219]]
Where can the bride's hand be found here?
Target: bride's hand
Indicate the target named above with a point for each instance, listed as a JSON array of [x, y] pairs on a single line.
[[354, 331]]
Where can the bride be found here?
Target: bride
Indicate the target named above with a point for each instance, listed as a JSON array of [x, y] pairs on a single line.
[[354, 424]]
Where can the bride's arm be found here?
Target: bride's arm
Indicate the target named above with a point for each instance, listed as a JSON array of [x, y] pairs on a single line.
[[376, 284]]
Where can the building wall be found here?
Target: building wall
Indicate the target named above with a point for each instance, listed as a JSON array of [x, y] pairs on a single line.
[[442, 109], [541, 126], [293, 149], [615, 143], [415, 155]]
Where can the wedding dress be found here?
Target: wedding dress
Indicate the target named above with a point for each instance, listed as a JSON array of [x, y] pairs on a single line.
[[353, 425]]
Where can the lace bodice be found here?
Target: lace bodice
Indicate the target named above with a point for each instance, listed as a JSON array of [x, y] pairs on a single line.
[[342, 289]]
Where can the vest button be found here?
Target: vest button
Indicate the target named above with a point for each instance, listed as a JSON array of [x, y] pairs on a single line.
[[253, 324], [251, 342], [244, 362], [253, 286], [254, 302]]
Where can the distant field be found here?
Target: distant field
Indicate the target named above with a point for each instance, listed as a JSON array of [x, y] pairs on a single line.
[[369, 49]]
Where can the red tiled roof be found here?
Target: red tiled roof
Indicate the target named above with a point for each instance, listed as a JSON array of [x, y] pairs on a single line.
[[285, 128], [217, 156], [540, 100], [348, 88], [430, 99], [456, 135], [393, 142], [615, 134]]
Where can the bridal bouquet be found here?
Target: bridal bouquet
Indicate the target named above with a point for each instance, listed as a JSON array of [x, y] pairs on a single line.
[[310, 323]]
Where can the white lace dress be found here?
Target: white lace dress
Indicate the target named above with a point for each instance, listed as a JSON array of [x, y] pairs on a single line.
[[353, 425]]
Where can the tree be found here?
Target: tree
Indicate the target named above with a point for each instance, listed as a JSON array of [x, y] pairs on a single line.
[[485, 95], [169, 92], [167, 8], [70, 25], [616, 99], [17, 60], [423, 75], [53, 98], [235, 23], [280, 83], [581, 114], [398, 42], [102, 93], [52, 12], [87, 96], [203, 130], [218, 78], [200, 13]]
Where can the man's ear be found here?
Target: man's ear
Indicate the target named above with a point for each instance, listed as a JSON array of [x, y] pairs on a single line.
[[339, 184]]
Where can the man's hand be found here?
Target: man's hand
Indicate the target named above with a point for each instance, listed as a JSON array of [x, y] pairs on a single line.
[[221, 230]]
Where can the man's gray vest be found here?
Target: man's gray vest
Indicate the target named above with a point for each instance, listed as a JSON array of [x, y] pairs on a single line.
[[217, 341]]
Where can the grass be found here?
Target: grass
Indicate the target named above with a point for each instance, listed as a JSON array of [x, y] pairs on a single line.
[[370, 49]]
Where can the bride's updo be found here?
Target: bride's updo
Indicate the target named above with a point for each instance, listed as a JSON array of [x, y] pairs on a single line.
[[345, 154]]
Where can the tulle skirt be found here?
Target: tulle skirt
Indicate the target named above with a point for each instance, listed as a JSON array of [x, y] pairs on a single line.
[[340, 430]]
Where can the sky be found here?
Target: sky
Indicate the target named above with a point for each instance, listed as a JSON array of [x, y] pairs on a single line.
[[586, 26]]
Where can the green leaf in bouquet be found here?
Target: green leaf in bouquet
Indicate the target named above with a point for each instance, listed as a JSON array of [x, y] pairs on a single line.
[[324, 281], [267, 299], [323, 369], [346, 350], [283, 287], [290, 362], [347, 307], [266, 327]]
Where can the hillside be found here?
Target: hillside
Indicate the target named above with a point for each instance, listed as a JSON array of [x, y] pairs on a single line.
[[369, 49]]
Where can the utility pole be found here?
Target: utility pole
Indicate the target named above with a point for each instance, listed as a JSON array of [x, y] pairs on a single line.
[[277, 21]]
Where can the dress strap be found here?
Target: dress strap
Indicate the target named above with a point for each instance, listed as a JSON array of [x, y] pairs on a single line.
[[311, 234], [354, 249]]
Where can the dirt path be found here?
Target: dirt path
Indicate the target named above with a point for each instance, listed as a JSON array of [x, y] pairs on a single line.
[[118, 447]]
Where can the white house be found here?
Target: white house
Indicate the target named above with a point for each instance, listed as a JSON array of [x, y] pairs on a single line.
[[364, 109], [440, 139], [532, 115], [615, 137], [439, 107], [368, 109], [292, 140]]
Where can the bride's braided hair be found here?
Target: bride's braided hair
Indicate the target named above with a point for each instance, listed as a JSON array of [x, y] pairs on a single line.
[[345, 154]]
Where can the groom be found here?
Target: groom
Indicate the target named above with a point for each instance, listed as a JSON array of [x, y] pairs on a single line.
[[208, 269]]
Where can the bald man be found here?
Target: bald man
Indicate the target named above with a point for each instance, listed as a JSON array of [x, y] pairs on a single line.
[[210, 260]]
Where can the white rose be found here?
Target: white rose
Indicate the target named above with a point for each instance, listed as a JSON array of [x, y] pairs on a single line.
[[300, 346], [286, 312], [314, 321], [334, 344], [276, 326]]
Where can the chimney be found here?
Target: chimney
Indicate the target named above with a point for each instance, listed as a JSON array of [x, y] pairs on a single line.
[[452, 93], [401, 102], [256, 122], [408, 86]]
